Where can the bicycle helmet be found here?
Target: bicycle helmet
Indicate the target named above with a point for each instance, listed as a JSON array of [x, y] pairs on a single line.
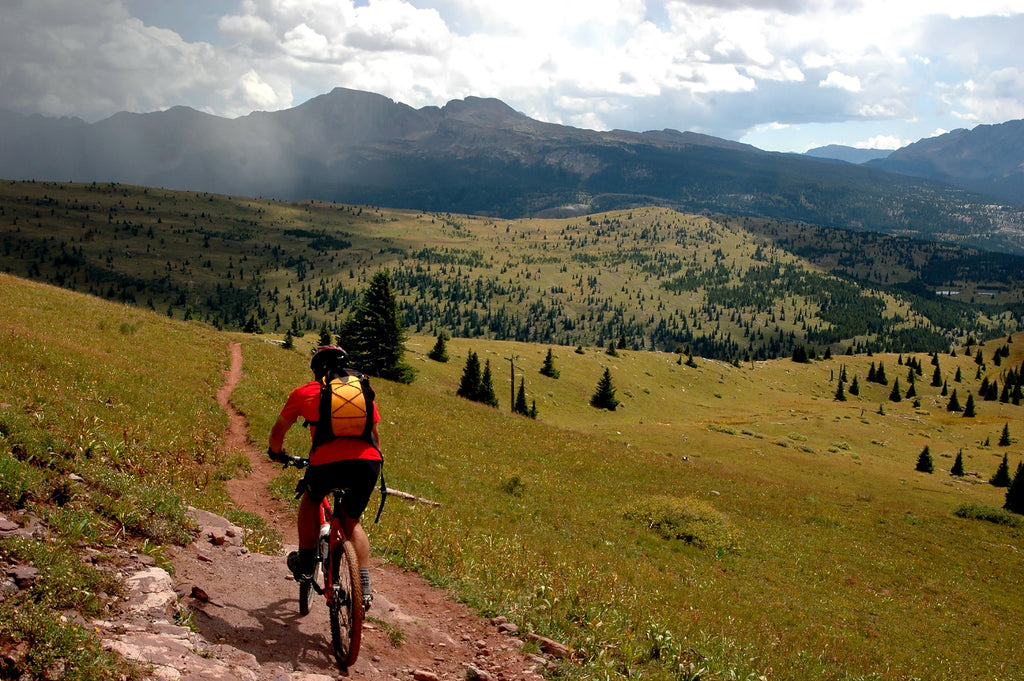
[[328, 357]]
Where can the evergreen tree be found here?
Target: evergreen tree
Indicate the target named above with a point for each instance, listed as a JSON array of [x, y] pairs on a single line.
[[253, 324], [954, 403], [487, 395], [439, 353], [895, 395], [469, 385], [924, 461], [604, 395], [1004, 439], [959, 376], [855, 387], [325, 335], [1002, 476], [1015, 495], [937, 377], [880, 375], [911, 391], [958, 465], [800, 354], [871, 373], [289, 340], [840, 394], [611, 351], [296, 331], [373, 336], [969, 407], [549, 369], [520, 406], [533, 410]]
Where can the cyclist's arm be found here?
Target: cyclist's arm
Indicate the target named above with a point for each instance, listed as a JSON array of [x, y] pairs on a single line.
[[278, 432], [289, 415]]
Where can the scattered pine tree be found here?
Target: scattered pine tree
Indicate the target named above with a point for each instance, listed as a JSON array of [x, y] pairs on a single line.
[[1015, 494], [895, 395], [958, 465], [924, 461], [840, 394], [604, 395], [520, 405], [954, 403], [487, 395], [1002, 475], [373, 336], [1004, 439], [548, 369], [969, 407], [439, 353]]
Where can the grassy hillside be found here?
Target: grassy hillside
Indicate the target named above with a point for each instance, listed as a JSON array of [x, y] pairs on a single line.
[[726, 521], [730, 288], [814, 549]]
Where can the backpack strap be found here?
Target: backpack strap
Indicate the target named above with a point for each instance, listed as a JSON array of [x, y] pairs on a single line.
[[383, 491]]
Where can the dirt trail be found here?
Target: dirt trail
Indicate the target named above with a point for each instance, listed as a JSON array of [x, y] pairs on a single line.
[[250, 600]]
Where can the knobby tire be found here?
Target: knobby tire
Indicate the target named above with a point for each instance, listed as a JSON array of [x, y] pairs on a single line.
[[306, 590], [347, 610]]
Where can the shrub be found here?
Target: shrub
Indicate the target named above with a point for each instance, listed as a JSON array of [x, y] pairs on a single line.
[[688, 519], [999, 516]]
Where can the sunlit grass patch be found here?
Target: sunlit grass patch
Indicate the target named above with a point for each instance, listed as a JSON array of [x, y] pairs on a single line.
[[999, 516]]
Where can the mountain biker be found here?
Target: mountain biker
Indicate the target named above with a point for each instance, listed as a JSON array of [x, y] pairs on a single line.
[[343, 462]]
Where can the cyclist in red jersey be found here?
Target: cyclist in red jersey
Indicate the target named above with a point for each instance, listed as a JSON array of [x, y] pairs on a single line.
[[344, 462]]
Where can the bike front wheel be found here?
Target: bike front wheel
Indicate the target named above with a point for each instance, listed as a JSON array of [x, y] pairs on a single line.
[[346, 605], [307, 591]]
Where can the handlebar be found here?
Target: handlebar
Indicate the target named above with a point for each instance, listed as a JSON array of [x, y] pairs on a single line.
[[299, 462], [287, 460]]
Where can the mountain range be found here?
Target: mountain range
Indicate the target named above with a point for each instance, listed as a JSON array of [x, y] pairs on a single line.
[[480, 156]]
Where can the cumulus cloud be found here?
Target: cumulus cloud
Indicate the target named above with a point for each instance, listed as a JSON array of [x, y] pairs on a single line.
[[725, 67], [841, 81]]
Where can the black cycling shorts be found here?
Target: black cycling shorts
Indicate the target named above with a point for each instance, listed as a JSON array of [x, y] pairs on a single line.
[[356, 477]]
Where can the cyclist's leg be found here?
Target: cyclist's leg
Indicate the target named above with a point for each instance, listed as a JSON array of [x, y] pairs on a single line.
[[355, 532], [308, 531], [363, 480]]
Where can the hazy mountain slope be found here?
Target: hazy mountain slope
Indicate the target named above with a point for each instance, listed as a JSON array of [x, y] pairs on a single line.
[[841, 152], [480, 156], [989, 159]]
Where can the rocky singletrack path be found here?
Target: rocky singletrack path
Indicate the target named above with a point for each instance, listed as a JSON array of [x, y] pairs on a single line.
[[244, 606]]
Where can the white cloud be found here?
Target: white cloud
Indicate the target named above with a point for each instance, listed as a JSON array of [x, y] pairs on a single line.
[[882, 142], [841, 81]]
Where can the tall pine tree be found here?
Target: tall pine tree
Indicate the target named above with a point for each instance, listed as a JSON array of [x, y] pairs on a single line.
[[373, 336], [469, 385], [548, 369], [924, 461], [1015, 495], [604, 395]]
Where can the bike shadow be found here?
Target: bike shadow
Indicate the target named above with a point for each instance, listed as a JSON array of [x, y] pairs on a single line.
[[274, 633]]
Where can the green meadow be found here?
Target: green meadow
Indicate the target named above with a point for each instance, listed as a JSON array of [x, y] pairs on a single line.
[[729, 520]]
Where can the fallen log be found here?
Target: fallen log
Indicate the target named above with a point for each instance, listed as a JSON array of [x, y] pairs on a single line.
[[411, 497]]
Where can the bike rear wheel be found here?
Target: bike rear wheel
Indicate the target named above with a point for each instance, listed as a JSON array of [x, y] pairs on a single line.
[[346, 606]]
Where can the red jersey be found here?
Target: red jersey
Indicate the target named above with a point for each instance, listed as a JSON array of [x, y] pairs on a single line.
[[305, 402]]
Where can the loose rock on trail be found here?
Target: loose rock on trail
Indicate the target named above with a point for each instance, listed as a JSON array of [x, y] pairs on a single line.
[[245, 607]]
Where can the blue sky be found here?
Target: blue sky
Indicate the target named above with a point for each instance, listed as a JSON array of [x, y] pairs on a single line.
[[783, 75]]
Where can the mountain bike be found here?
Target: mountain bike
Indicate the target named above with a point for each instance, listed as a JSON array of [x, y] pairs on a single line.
[[336, 577]]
